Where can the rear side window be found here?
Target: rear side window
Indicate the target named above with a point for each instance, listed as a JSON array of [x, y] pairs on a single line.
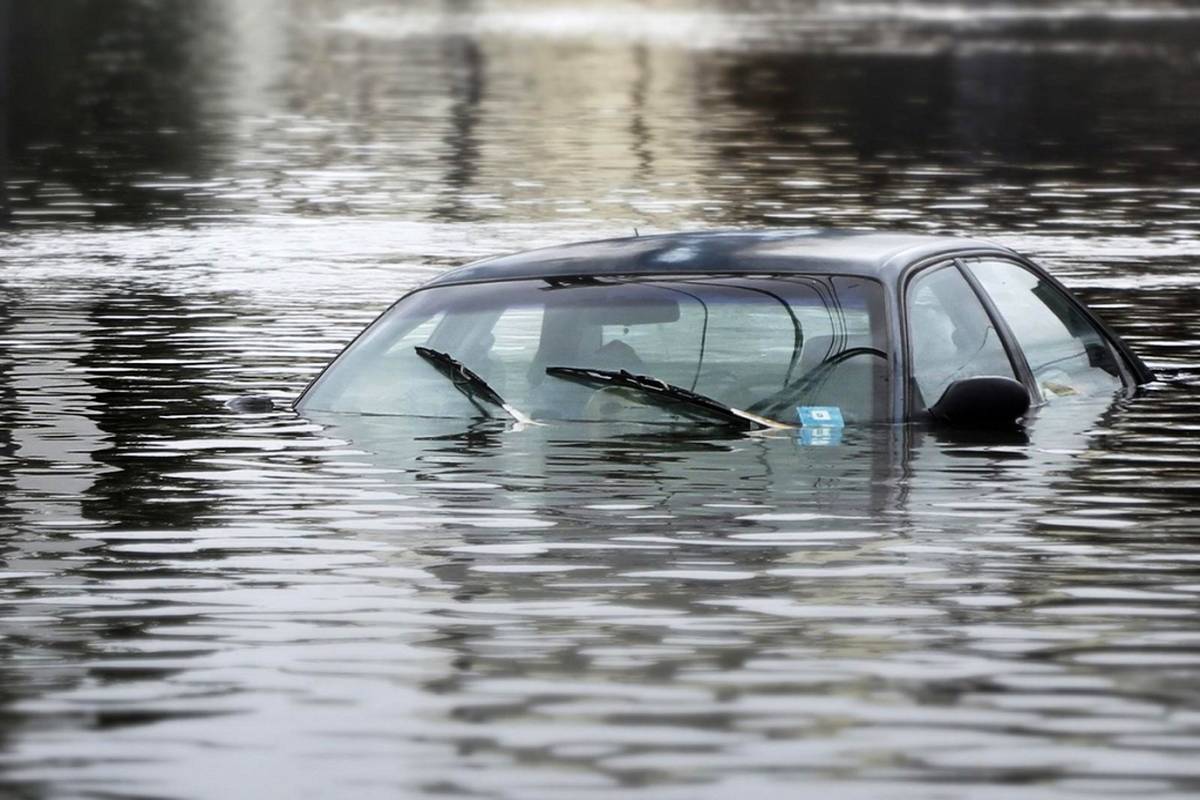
[[950, 334], [1068, 355]]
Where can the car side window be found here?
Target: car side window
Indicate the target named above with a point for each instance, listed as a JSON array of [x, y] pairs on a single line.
[[950, 334], [1068, 355]]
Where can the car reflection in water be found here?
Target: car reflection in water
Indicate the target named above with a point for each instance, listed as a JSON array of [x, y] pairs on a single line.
[[586, 483], [579, 562]]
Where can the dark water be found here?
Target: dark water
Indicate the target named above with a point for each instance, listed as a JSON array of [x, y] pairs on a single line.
[[209, 198]]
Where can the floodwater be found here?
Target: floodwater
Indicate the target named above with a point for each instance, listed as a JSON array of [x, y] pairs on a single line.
[[208, 199]]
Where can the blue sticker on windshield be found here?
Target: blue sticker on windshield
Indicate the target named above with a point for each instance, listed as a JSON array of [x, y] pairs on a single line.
[[820, 416]]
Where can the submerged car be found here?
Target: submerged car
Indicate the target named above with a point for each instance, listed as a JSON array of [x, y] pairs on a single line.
[[768, 329]]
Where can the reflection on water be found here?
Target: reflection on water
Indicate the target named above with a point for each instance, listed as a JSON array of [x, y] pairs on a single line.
[[210, 198], [907, 114]]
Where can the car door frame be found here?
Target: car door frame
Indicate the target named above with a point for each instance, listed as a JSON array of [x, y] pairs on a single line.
[[1134, 371]]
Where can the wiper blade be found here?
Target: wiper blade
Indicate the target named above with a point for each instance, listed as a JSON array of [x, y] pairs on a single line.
[[467, 382], [662, 393]]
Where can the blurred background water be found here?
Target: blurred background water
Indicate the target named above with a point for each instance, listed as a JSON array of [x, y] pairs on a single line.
[[207, 198]]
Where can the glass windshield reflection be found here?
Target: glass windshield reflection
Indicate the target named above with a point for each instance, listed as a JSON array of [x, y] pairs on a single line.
[[768, 344]]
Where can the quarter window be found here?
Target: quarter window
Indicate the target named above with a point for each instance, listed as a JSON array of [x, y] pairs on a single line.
[[950, 335], [1068, 355]]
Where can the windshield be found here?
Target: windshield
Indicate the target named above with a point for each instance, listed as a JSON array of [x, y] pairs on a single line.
[[772, 345]]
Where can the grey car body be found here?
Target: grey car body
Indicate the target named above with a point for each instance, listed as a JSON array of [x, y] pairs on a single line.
[[915, 273]]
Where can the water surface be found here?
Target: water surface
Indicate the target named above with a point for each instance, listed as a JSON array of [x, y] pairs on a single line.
[[208, 199]]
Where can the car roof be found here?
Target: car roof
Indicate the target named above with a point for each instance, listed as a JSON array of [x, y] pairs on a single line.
[[801, 251]]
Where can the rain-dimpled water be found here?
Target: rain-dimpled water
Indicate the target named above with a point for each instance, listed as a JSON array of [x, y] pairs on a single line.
[[207, 200]]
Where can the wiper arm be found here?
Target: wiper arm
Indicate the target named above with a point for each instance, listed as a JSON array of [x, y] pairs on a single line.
[[471, 385], [665, 394]]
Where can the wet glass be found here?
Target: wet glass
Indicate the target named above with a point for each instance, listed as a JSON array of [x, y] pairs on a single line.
[[950, 334], [770, 344], [1067, 354]]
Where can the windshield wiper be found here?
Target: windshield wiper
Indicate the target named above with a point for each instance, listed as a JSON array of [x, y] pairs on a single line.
[[665, 394], [471, 385]]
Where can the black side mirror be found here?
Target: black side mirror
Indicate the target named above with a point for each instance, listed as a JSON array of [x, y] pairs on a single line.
[[988, 401]]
